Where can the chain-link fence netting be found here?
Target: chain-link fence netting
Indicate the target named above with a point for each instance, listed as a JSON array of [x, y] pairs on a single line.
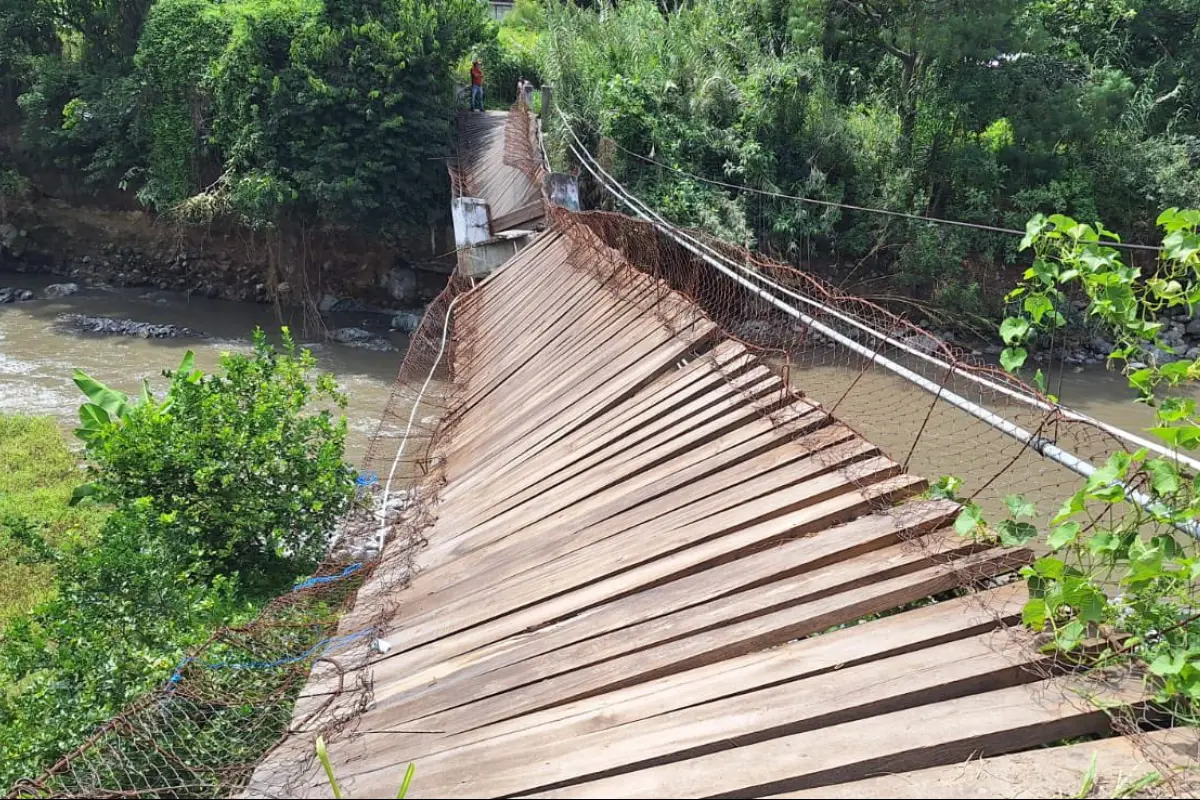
[[239, 696], [903, 403]]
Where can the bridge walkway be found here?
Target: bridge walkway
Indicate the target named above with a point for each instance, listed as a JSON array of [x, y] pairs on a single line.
[[656, 571]]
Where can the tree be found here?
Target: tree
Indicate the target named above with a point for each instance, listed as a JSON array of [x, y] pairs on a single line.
[[923, 35]]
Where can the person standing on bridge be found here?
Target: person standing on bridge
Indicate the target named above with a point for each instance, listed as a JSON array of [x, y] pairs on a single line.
[[477, 86]]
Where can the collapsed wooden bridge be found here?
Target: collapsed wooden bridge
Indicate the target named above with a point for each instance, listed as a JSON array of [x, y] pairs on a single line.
[[654, 570]]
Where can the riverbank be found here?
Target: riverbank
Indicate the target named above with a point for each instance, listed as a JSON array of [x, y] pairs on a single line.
[[38, 354], [324, 270]]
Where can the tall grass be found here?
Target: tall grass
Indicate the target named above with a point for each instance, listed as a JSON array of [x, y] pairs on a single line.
[[37, 475]]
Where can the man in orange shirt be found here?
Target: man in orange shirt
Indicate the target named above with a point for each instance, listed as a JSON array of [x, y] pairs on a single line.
[[476, 86]]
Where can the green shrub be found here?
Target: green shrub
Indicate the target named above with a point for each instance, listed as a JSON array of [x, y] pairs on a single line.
[[249, 476], [226, 489], [128, 609]]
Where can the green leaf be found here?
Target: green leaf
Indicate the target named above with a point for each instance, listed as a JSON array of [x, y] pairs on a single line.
[[1034, 614], [1164, 479], [1038, 306], [1064, 535], [82, 492], [1091, 606], [1012, 358], [323, 757], [1033, 229], [1166, 544], [969, 520], [112, 401], [1039, 381], [408, 776], [1171, 663], [1013, 330], [1069, 636], [1070, 507], [93, 417], [187, 364], [1014, 534], [946, 487], [1019, 507]]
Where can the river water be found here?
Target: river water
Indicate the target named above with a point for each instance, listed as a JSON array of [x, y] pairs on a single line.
[[38, 358]]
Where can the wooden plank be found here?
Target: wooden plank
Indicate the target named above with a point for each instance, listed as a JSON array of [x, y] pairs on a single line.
[[578, 394], [705, 646], [553, 460], [731, 400], [648, 609], [949, 732], [446, 690], [622, 475], [618, 507], [828, 653], [931, 675], [590, 611], [440, 615], [1117, 764], [523, 215]]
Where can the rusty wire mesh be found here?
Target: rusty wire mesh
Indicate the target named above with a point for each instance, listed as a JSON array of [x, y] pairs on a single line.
[[204, 732]]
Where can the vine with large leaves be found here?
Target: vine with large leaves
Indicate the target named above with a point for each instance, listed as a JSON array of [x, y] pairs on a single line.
[[1117, 567]]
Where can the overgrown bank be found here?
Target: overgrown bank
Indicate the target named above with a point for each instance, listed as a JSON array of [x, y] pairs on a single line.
[[720, 114], [91, 244], [313, 134], [202, 503]]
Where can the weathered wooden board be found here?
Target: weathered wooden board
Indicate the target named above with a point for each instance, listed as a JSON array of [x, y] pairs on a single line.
[[1163, 762]]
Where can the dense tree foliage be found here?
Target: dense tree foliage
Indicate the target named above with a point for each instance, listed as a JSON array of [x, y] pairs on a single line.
[[981, 112], [264, 110]]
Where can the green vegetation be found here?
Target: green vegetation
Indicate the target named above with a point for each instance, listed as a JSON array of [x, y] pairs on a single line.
[[218, 495], [37, 475], [269, 112], [1116, 564], [323, 757], [980, 112]]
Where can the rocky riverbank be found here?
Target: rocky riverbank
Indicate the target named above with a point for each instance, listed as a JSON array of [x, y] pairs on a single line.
[[96, 247]]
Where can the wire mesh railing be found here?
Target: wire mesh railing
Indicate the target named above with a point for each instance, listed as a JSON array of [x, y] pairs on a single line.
[[245, 694]]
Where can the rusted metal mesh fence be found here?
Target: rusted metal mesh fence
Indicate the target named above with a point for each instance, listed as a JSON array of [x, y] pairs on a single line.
[[203, 733], [918, 428]]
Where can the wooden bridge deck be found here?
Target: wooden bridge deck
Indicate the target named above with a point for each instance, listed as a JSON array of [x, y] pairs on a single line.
[[645, 572], [514, 201]]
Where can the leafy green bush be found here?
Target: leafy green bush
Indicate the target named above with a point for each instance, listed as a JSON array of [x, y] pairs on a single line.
[[225, 489], [128, 608], [341, 117], [1119, 561], [248, 478]]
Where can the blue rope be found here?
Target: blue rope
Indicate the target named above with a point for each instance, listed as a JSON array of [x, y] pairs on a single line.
[[323, 647], [311, 582], [367, 478]]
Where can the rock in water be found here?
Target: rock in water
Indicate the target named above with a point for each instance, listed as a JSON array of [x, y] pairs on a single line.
[[56, 290], [79, 323], [8, 295], [407, 321], [350, 335], [359, 337]]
